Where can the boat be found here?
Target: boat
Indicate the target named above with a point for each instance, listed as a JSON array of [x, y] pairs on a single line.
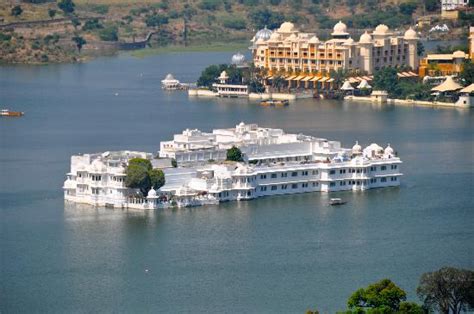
[[336, 201], [8, 113], [271, 102]]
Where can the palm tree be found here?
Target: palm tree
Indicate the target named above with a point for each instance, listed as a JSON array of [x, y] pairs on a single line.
[[278, 82]]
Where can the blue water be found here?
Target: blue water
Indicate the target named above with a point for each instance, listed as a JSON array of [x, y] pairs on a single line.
[[280, 254]]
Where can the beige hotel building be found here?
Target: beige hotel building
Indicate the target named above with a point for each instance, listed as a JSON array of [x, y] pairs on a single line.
[[286, 49]]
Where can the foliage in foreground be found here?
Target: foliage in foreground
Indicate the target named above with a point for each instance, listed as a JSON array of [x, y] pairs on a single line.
[[448, 290]]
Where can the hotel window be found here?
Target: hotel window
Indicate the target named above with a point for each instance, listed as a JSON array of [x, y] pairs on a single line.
[[294, 173], [263, 176], [383, 168], [332, 184], [315, 183], [393, 179], [394, 166], [284, 174], [332, 172], [294, 186], [263, 188], [304, 173], [373, 168], [274, 187], [305, 185], [274, 175], [284, 186], [383, 179], [315, 172]]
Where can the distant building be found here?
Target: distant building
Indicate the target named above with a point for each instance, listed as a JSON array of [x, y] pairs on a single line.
[[291, 51], [450, 8], [447, 64]]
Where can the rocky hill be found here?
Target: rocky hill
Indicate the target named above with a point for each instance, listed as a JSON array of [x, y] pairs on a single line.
[[36, 31]]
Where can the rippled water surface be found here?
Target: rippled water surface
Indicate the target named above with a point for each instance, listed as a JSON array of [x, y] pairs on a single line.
[[279, 254]]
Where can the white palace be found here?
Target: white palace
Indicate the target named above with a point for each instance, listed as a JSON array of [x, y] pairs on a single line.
[[288, 50], [274, 163]]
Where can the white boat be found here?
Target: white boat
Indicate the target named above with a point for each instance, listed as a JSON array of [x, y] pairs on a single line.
[[336, 201]]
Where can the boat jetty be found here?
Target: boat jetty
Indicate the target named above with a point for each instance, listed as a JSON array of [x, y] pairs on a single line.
[[170, 83]]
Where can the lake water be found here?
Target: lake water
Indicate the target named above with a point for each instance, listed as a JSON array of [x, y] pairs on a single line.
[[278, 254]]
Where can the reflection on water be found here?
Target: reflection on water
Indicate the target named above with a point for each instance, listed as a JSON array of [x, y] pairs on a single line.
[[278, 254]]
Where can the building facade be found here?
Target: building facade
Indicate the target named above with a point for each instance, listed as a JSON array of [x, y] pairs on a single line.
[[291, 51], [449, 8], [275, 163]]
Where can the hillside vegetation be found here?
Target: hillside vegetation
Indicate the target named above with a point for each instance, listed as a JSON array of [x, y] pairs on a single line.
[[98, 22]]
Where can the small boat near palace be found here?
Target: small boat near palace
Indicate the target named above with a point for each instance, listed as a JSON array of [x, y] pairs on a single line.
[[336, 201], [273, 103], [8, 113]]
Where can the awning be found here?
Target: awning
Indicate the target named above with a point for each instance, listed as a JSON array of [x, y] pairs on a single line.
[[469, 89], [298, 78], [324, 79], [315, 79], [367, 78], [270, 78], [447, 86], [307, 78], [289, 78], [413, 73], [330, 80]]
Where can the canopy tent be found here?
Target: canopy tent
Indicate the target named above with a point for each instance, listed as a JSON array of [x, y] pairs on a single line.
[[363, 84], [468, 90], [449, 85], [347, 86]]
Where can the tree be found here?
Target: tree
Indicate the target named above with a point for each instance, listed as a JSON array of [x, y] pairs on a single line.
[[157, 178], [91, 25], [448, 290], [420, 49], [407, 8], [79, 42], [431, 5], [141, 175], [51, 13], [67, 6], [16, 10], [410, 308], [174, 163], [265, 17], [109, 33], [387, 79], [234, 154], [156, 20], [383, 296], [467, 73], [278, 82], [75, 22]]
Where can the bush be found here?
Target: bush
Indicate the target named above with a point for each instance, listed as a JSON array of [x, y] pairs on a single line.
[[262, 17], [407, 8], [16, 10], [98, 8], [51, 39], [110, 33], [156, 20], [234, 154], [210, 5], [5, 37], [93, 24], [235, 23], [67, 6]]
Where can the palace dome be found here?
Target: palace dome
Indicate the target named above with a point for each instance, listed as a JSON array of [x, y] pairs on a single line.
[[365, 38], [275, 36], [238, 59], [356, 149], [151, 193], [410, 34], [313, 40], [263, 34], [339, 29], [292, 37], [287, 27], [381, 29], [388, 150], [98, 166], [349, 41], [459, 54]]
